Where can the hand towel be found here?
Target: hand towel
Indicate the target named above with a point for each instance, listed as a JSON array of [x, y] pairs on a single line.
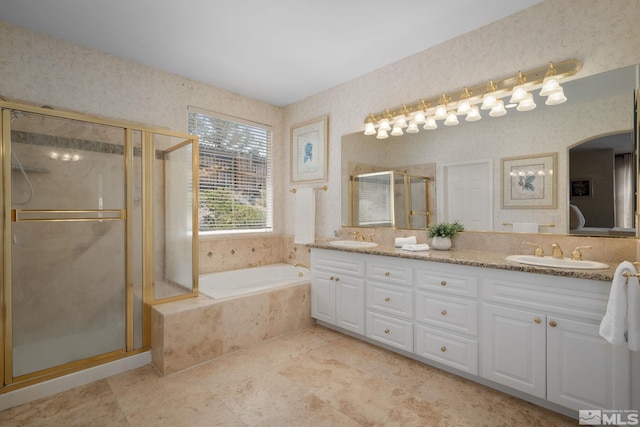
[[401, 241], [416, 248], [525, 227], [614, 322], [305, 216]]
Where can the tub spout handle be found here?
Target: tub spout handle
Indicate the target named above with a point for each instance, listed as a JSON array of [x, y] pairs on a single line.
[[303, 265]]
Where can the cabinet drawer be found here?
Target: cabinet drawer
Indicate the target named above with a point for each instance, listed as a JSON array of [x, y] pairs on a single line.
[[395, 332], [390, 273], [335, 262], [453, 313], [450, 350], [390, 299], [451, 283]]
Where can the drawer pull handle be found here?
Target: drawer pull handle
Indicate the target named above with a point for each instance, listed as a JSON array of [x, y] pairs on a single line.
[[337, 279], [443, 312], [553, 324], [443, 349], [537, 320], [387, 274], [443, 283], [387, 299], [332, 278], [386, 331]]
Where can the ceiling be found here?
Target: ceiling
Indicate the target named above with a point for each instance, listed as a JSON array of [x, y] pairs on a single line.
[[277, 51]]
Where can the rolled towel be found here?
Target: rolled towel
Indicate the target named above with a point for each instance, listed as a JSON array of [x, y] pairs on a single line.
[[401, 241], [416, 248]]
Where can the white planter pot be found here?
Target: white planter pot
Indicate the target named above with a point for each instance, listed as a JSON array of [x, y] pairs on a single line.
[[441, 243]]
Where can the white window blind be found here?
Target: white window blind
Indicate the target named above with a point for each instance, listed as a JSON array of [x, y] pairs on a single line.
[[235, 172]]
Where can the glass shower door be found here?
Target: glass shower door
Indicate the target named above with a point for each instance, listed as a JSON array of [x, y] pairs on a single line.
[[68, 240]]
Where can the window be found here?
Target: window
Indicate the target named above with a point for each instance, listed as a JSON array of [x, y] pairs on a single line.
[[235, 172]]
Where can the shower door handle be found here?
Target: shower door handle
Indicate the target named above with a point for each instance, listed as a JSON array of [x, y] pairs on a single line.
[[44, 215]]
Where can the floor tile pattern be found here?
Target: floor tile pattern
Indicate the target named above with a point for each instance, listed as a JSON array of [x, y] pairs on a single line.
[[311, 377]]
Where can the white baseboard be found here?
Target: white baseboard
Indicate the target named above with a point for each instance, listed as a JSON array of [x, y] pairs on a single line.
[[56, 385]]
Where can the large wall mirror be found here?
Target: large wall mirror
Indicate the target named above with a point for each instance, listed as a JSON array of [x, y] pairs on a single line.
[[593, 137]]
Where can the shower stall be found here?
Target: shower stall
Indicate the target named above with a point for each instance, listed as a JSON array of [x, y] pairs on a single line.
[[99, 222], [389, 199]]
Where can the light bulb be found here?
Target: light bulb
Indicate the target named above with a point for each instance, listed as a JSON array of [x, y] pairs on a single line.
[[419, 118], [397, 130], [369, 128], [382, 134], [488, 101], [474, 114], [464, 107], [550, 85], [384, 124], [430, 123], [498, 110], [400, 121], [413, 127], [556, 98], [519, 94], [441, 112], [527, 104], [452, 119]]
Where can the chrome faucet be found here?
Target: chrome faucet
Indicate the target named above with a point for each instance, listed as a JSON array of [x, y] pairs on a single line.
[[556, 252], [576, 255]]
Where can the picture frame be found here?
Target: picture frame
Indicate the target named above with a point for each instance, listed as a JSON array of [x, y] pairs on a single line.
[[530, 182], [581, 188], [309, 151]]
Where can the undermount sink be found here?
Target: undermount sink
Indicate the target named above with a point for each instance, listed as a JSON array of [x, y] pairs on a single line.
[[548, 261], [352, 244]]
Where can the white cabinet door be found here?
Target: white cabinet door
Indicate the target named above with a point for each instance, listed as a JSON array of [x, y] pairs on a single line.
[[323, 297], [583, 370], [514, 349], [350, 303]]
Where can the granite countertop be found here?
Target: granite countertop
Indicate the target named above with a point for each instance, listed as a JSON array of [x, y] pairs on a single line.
[[477, 259]]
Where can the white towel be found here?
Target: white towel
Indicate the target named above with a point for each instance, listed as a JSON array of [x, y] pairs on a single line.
[[401, 241], [416, 248], [622, 309], [305, 216], [525, 227]]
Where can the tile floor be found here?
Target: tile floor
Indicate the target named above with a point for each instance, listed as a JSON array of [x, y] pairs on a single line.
[[311, 377]]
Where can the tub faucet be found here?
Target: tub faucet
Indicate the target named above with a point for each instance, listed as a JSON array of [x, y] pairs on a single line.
[[303, 265], [556, 252]]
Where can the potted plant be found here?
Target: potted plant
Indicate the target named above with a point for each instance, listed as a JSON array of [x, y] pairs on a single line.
[[442, 233]]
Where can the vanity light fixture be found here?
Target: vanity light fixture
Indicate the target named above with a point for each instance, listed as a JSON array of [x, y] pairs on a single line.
[[441, 109], [491, 97]]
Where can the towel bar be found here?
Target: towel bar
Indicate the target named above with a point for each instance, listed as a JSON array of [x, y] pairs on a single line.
[[628, 273], [323, 188]]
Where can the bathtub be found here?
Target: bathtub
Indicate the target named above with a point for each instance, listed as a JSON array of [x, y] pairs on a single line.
[[237, 282]]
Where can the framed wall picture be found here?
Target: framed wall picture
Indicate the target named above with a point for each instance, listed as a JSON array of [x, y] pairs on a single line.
[[529, 181], [581, 188], [309, 151]]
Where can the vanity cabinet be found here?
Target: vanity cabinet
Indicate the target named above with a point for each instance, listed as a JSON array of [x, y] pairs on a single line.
[[540, 336], [338, 289], [535, 334], [446, 328], [390, 302]]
